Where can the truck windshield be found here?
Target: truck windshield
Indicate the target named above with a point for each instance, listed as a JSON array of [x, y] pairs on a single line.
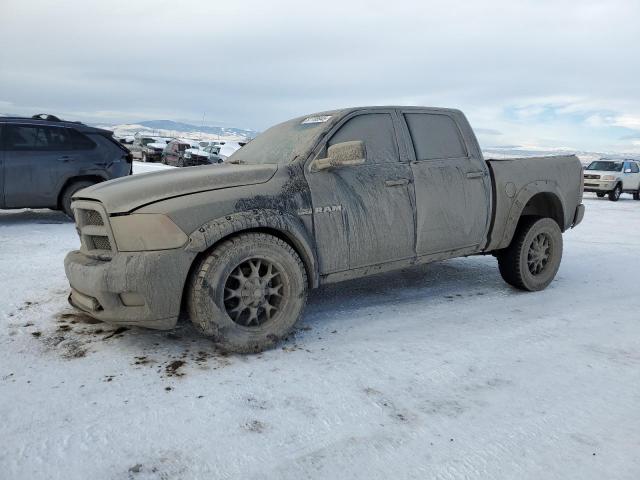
[[282, 143], [605, 166]]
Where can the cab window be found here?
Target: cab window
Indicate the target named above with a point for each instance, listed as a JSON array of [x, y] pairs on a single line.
[[376, 131]]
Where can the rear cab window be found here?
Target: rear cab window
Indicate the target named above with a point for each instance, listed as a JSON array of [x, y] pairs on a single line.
[[434, 136]]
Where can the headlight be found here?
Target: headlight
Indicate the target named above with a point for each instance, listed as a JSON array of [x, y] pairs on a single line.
[[146, 231], [608, 177]]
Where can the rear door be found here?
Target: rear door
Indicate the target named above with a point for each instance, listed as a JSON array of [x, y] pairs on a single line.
[[363, 214], [452, 185], [36, 160]]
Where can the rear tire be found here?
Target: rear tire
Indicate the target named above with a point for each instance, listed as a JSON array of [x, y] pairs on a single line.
[[248, 293], [533, 258], [636, 195], [69, 192], [614, 195]]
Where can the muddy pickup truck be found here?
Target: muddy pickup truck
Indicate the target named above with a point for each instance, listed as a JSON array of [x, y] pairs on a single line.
[[318, 199]]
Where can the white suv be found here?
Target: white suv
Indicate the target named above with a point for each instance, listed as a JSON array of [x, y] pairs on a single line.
[[613, 177]]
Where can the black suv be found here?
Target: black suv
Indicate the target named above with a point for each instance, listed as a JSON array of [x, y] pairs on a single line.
[[45, 160]]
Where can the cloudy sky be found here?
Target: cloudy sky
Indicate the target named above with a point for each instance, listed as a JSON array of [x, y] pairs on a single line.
[[533, 73]]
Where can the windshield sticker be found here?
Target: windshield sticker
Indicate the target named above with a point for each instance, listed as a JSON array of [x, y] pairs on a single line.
[[316, 119]]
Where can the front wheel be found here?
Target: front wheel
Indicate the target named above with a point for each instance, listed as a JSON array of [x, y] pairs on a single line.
[[533, 258], [636, 195], [248, 293], [614, 195]]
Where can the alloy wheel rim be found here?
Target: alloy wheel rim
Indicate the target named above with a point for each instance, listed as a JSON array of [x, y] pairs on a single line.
[[254, 292], [539, 253]]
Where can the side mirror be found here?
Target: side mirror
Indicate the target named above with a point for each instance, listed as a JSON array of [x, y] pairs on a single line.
[[344, 154], [627, 170]]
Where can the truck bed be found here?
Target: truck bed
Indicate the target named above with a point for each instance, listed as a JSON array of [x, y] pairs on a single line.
[[518, 183]]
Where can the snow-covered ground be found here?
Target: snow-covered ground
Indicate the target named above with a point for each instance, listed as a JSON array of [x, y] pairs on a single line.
[[439, 372]]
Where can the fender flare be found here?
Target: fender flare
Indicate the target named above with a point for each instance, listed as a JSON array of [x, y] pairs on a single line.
[[525, 194], [289, 226]]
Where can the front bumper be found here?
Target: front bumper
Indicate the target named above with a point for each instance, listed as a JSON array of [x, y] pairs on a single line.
[[139, 288], [598, 186], [153, 156]]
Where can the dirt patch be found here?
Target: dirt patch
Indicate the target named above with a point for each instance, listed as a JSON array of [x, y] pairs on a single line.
[[173, 368], [73, 317], [255, 426], [117, 331]]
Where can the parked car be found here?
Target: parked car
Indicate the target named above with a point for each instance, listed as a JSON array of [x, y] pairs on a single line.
[[152, 152], [612, 178], [44, 161], [228, 149], [175, 152], [148, 148], [318, 199], [202, 156]]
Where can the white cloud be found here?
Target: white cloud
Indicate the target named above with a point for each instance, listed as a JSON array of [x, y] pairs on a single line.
[[252, 63]]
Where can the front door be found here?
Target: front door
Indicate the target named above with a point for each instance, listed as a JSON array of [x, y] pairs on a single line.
[[363, 215], [452, 185]]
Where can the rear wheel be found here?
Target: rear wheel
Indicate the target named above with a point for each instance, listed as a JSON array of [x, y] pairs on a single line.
[[614, 195], [69, 192], [636, 195], [248, 293], [533, 258]]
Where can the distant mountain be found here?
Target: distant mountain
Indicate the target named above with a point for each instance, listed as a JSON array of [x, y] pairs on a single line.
[[186, 127]]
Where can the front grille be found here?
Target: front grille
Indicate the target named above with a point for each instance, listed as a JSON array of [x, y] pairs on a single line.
[[592, 177], [93, 227], [100, 242], [92, 217]]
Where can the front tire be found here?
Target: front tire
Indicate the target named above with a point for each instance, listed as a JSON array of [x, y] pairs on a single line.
[[533, 258], [248, 293], [614, 195], [69, 192]]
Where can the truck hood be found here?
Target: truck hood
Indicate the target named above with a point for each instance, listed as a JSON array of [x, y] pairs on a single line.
[[126, 194]]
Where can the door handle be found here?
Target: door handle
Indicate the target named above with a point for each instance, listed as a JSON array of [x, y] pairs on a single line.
[[64, 158], [397, 182], [475, 175]]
